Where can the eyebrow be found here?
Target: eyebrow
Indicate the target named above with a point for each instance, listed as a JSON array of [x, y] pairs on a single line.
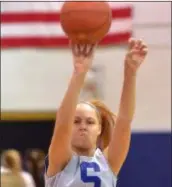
[[86, 117]]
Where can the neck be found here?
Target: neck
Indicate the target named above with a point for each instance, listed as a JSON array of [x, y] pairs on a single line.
[[84, 152]]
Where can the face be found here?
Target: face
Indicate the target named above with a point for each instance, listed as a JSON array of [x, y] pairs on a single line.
[[86, 127]]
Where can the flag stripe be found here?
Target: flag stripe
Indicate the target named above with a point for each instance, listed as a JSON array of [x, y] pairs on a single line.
[[47, 6], [12, 42], [53, 29], [25, 6], [37, 24], [20, 17]]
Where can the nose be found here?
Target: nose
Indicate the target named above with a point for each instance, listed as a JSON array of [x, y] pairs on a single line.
[[83, 126]]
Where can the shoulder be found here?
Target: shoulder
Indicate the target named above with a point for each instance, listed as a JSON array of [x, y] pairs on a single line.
[[67, 173]]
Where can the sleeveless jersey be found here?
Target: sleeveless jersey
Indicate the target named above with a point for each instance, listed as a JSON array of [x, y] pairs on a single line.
[[82, 171]]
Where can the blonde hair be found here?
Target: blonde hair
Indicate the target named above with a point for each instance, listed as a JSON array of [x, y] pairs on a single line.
[[107, 120], [11, 160]]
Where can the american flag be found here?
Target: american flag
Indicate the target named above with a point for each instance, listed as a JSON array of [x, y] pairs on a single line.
[[37, 24]]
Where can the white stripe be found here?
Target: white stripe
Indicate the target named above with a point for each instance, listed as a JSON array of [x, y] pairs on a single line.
[[52, 29], [120, 4], [30, 6], [45, 6]]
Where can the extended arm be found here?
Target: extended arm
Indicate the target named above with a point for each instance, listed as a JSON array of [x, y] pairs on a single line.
[[119, 145], [60, 148]]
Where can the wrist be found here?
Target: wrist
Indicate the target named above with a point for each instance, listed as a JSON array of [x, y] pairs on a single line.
[[130, 75], [78, 78], [77, 75], [129, 72]]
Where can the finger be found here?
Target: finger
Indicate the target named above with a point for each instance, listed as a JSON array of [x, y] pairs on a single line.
[[135, 63], [85, 49], [75, 49], [144, 52], [131, 43], [139, 43], [90, 50], [132, 52], [94, 46], [143, 46], [135, 56], [71, 44], [79, 49]]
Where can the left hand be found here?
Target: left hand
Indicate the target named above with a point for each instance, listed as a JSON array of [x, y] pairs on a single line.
[[135, 56]]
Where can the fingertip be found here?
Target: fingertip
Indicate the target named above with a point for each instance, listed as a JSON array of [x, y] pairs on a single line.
[[144, 47], [139, 43], [140, 40], [145, 50], [131, 43], [131, 40]]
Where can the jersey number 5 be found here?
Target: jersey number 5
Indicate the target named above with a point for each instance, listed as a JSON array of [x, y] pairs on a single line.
[[90, 179]]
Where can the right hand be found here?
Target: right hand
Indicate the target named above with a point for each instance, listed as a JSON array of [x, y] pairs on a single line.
[[82, 57]]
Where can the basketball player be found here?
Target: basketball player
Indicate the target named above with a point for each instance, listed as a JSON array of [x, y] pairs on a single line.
[[90, 143]]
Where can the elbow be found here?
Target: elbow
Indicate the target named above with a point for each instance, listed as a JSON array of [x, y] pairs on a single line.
[[123, 125], [124, 119]]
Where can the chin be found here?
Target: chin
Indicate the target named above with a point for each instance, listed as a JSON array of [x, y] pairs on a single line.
[[82, 144]]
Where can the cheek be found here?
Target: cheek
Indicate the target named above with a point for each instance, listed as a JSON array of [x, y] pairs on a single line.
[[74, 130], [95, 130]]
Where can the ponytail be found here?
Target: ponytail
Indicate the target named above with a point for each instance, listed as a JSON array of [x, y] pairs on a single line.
[[107, 122]]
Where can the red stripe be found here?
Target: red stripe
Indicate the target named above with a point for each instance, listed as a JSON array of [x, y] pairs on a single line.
[[122, 13], [19, 17], [23, 17], [57, 41]]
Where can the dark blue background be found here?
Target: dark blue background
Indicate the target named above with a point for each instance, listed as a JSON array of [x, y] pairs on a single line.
[[148, 163]]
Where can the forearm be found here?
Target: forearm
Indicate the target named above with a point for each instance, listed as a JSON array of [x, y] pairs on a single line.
[[128, 97], [120, 142], [67, 109]]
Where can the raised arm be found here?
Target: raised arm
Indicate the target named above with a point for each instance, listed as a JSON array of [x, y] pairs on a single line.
[[119, 145], [60, 148]]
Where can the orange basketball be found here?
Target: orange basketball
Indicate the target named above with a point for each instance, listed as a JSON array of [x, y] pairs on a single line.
[[86, 22]]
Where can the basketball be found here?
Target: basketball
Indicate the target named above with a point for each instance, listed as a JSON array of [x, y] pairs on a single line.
[[86, 22]]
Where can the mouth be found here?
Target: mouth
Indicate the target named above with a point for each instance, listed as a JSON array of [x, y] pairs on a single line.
[[83, 133]]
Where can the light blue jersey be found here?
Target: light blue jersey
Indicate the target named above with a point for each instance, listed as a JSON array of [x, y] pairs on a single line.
[[82, 171]]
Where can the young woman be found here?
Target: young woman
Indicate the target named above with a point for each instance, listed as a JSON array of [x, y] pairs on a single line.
[[90, 143]]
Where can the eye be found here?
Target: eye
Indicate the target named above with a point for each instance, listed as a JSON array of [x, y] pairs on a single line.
[[90, 121], [76, 121]]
